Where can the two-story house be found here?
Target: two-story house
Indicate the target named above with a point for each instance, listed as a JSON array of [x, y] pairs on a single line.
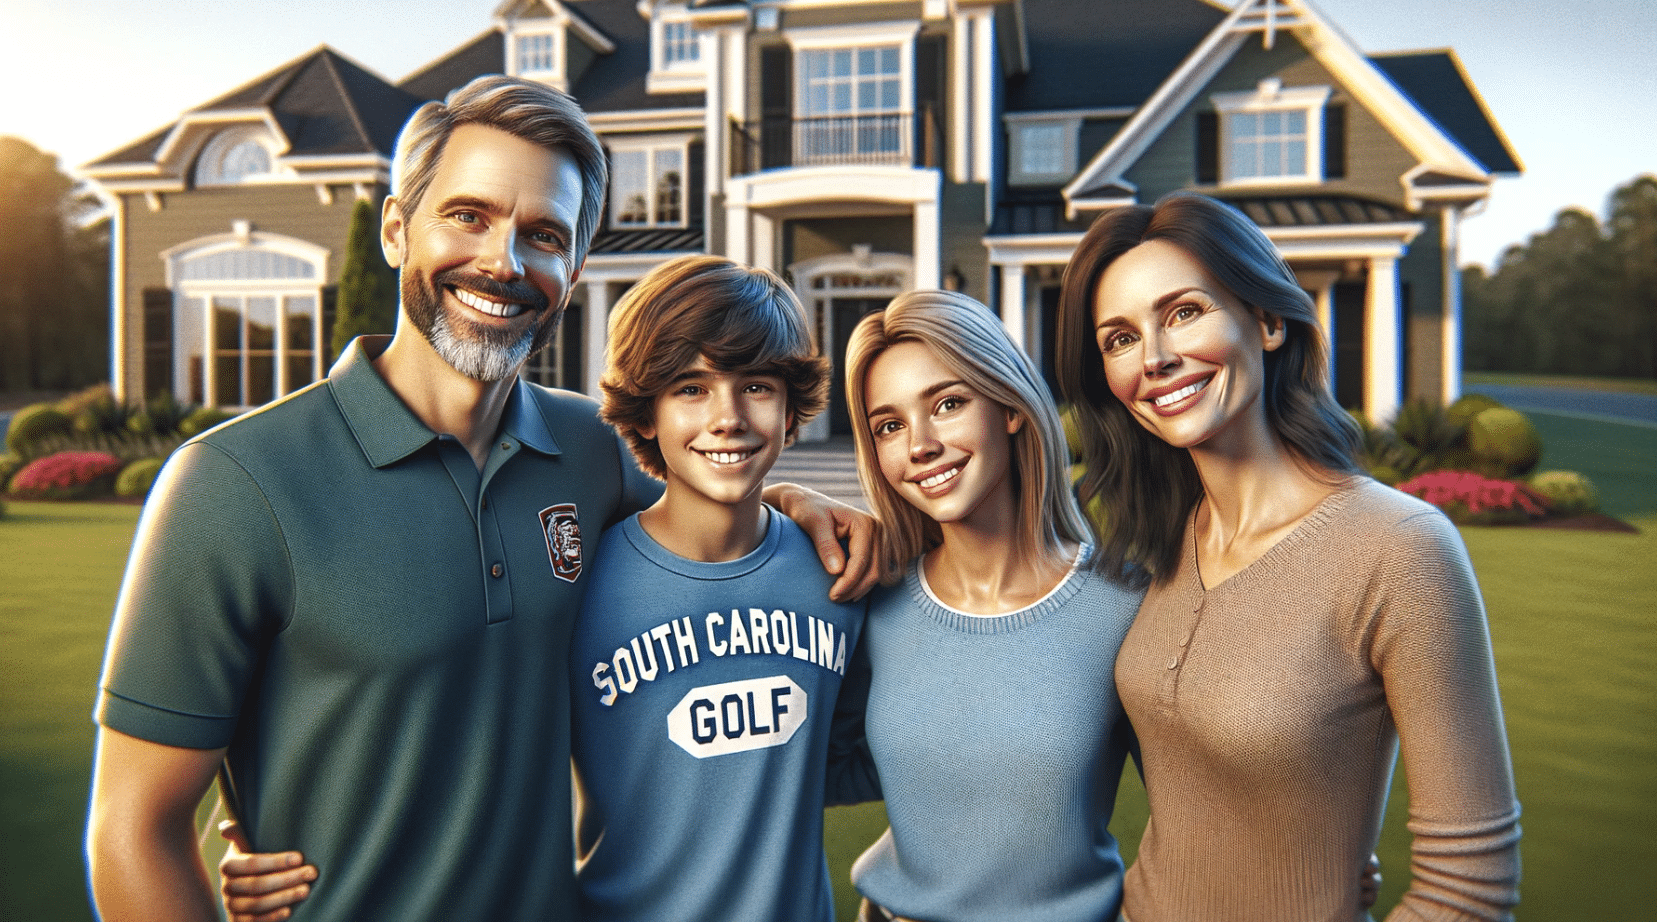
[[860, 148]]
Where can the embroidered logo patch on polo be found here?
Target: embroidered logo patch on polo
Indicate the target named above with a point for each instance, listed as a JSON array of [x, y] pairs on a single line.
[[562, 525]]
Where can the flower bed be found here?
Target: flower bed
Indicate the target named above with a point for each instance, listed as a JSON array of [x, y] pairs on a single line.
[[1472, 499], [67, 475]]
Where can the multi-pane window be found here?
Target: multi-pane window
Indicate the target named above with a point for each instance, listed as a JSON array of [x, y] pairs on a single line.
[[647, 187], [233, 156], [679, 44], [245, 326], [1266, 144], [1042, 149], [850, 104], [537, 53]]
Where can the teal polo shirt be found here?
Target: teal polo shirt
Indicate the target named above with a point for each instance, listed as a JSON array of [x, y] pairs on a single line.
[[378, 631]]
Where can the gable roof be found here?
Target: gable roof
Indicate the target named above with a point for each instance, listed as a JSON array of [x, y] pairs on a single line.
[[615, 80], [1440, 155], [1088, 54], [320, 104], [1435, 81]]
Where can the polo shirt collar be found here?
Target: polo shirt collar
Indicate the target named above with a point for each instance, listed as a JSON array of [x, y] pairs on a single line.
[[387, 431]]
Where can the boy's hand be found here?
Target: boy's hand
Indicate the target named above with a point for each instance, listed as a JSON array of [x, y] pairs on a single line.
[[261, 887], [1370, 890], [828, 522]]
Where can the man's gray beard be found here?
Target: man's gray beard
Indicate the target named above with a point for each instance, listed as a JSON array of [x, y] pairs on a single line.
[[482, 358]]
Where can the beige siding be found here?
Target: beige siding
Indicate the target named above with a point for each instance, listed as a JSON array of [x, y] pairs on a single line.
[[289, 210], [1375, 160]]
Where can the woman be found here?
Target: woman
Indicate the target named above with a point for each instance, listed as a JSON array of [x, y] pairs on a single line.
[[1303, 623], [992, 717]]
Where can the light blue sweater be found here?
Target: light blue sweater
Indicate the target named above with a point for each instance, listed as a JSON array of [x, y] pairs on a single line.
[[1000, 743]]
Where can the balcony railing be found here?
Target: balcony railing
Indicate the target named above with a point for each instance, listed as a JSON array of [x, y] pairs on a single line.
[[893, 139]]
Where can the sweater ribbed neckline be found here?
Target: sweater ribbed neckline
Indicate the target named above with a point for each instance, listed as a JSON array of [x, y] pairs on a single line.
[[921, 594], [1270, 565]]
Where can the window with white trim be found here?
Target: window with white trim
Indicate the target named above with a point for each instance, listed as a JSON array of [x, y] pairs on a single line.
[[851, 104], [536, 53], [235, 155], [647, 185], [675, 52], [246, 324], [1271, 134], [1043, 151], [680, 45]]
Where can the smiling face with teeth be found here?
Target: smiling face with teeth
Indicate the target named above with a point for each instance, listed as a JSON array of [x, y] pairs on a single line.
[[942, 445], [1183, 354], [719, 433], [484, 254]]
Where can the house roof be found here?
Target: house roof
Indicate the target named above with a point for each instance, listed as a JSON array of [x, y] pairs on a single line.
[[1442, 157], [323, 103], [613, 82], [484, 54], [665, 240], [1092, 54], [1315, 210], [1435, 81]]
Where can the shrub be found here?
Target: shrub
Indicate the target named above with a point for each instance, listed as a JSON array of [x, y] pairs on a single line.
[[1568, 492], [1504, 443], [202, 419], [67, 475], [1386, 456], [32, 423], [1468, 406], [137, 477], [73, 404], [1470, 499], [126, 445], [1438, 438], [10, 463], [166, 414]]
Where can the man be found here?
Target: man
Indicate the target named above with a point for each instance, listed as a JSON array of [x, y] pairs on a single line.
[[348, 601]]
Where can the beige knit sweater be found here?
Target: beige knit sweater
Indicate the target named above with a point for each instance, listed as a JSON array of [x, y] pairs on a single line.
[[1270, 710]]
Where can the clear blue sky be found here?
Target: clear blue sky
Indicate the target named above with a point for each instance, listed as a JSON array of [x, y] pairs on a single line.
[[1571, 84]]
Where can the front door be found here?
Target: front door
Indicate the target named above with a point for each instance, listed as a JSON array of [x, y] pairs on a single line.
[[844, 313]]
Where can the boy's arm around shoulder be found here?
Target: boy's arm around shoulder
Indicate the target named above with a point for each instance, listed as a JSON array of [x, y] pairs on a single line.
[[852, 776], [828, 521]]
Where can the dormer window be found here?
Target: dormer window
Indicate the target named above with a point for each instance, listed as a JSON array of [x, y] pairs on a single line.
[[536, 54], [233, 156], [675, 51], [1272, 134], [1043, 148]]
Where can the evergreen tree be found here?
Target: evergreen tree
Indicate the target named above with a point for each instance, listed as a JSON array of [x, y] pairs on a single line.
[[367, 285]]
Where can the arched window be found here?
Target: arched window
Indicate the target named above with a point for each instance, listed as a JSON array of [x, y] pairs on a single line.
[[233, 156], [247, 319]]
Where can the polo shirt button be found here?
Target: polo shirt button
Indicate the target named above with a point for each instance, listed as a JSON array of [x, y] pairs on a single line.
[[506, 446], [496, 571]]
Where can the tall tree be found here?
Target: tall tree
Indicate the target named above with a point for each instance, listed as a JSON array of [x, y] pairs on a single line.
[[1632, 226], [54, 277], [367, 284]]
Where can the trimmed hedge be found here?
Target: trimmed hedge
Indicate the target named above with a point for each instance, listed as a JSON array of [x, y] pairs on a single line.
[[136, 479]]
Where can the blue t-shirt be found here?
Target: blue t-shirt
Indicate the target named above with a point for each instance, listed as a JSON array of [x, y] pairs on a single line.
[[705, 695], [1000, 743]]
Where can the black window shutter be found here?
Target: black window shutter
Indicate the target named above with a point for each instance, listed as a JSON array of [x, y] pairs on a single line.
[[929, 97], [1208, 147], [158, 341], [776, 106], [694, 185], [1334, 141]]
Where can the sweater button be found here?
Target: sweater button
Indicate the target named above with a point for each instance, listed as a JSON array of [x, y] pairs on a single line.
[[1173, 663]]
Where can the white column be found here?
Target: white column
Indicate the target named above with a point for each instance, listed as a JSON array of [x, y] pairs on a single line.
[[209, 380], [1012, 304], [736, 224], [983, 94], [1326, 320], [763, 248], [928, 247], [960, 99], [1382, 325], [595, 317], [118, 329], [715, 155], [1450, 365]]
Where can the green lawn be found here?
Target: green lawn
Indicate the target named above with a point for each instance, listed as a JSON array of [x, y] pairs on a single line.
[[1573, 617]]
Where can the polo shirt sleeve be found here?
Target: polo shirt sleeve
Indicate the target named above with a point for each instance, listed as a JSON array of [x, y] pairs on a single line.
[[208, 585]]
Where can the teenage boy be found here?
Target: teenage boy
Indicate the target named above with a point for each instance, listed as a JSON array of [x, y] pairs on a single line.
[[708, 662], [708, 659]]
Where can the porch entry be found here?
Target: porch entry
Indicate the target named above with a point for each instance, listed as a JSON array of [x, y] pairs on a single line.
[[837, 291]]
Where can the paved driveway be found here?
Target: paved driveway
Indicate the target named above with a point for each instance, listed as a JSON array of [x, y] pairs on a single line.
[[1636, 409]]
